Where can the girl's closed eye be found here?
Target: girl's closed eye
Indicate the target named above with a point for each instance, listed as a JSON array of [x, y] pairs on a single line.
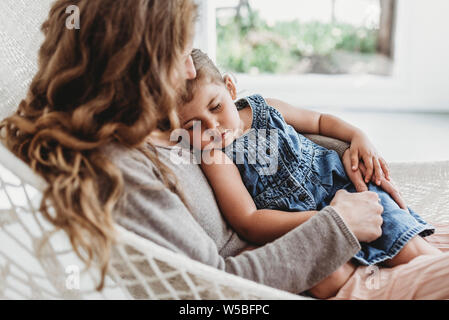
[[216, 108]]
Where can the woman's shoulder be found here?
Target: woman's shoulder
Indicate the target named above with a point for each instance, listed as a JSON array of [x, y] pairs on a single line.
[[119, 153], [133, 164]]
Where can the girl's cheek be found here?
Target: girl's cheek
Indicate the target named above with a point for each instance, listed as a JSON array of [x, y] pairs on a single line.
[[198, 141]]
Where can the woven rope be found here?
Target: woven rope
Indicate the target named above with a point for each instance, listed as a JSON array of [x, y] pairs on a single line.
[[20, 38], [425, 187], [32, 268]]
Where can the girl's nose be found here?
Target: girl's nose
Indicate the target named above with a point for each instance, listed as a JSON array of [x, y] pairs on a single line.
[[212, 124]]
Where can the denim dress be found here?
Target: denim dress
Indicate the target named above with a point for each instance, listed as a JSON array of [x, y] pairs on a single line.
[[283, 170]]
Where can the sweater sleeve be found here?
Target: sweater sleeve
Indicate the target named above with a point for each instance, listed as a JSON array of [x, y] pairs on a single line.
[[329, 143], [295, 262]]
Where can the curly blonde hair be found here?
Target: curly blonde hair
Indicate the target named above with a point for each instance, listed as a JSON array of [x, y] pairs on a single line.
[[109, 81]]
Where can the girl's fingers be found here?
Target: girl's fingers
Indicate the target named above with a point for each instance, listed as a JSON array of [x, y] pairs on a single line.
[[391, 189], [385, 168], [362, 168], [369, 168], [355, 176], [357, 180], [377, 171], [354, 160]]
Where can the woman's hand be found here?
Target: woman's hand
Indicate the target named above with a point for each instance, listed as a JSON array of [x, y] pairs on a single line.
[[356, 178], [362, 148]]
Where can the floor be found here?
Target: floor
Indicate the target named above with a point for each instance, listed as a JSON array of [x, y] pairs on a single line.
[[404, 137]]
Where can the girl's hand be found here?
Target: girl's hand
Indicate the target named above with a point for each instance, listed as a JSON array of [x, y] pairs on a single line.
[[390, 187], [356, 178], [376, 166]]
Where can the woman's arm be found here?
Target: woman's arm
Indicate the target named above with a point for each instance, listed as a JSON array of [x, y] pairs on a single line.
[[329, 143], [236, 204], [161, 217], [307, 121]]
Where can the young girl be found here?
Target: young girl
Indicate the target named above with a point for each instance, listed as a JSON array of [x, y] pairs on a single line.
[[259, 165]]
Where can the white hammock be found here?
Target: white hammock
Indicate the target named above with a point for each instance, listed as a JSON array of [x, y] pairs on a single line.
[[139, 268]]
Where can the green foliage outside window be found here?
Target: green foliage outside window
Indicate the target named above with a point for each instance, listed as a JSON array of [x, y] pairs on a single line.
[[247, 44]]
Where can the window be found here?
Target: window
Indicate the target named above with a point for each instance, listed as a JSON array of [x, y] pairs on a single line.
[[304, 36], [410, 33]]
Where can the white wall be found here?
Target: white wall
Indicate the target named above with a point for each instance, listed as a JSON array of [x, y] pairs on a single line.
[[420, 78], [20, 39], [428, 44]]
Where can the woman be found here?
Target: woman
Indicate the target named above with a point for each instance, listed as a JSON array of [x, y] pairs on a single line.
[[103, 98]]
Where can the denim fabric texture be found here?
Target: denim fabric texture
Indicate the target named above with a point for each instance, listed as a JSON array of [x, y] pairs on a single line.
[[283, 170]]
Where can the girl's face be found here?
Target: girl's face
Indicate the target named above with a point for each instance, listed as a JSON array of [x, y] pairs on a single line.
[[211, 118]]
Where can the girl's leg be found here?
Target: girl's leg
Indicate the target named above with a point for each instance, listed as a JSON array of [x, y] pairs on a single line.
[[426, 277], [414, 248], [423, 278], [358, 282], [440, 239], [331, 285]]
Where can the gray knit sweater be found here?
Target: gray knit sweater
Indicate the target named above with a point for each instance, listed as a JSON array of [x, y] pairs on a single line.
[[295, 262]]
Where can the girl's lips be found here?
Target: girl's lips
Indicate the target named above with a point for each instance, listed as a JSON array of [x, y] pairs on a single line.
[[226, 133]]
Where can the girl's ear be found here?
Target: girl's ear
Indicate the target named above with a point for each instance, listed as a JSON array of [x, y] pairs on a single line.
[[230, 86]]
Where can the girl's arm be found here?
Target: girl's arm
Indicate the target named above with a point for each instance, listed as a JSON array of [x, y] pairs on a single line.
[[236, 204], [307, 121]]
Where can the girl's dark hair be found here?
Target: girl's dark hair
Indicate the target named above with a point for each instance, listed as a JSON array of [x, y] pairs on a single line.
[[205, 70]]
